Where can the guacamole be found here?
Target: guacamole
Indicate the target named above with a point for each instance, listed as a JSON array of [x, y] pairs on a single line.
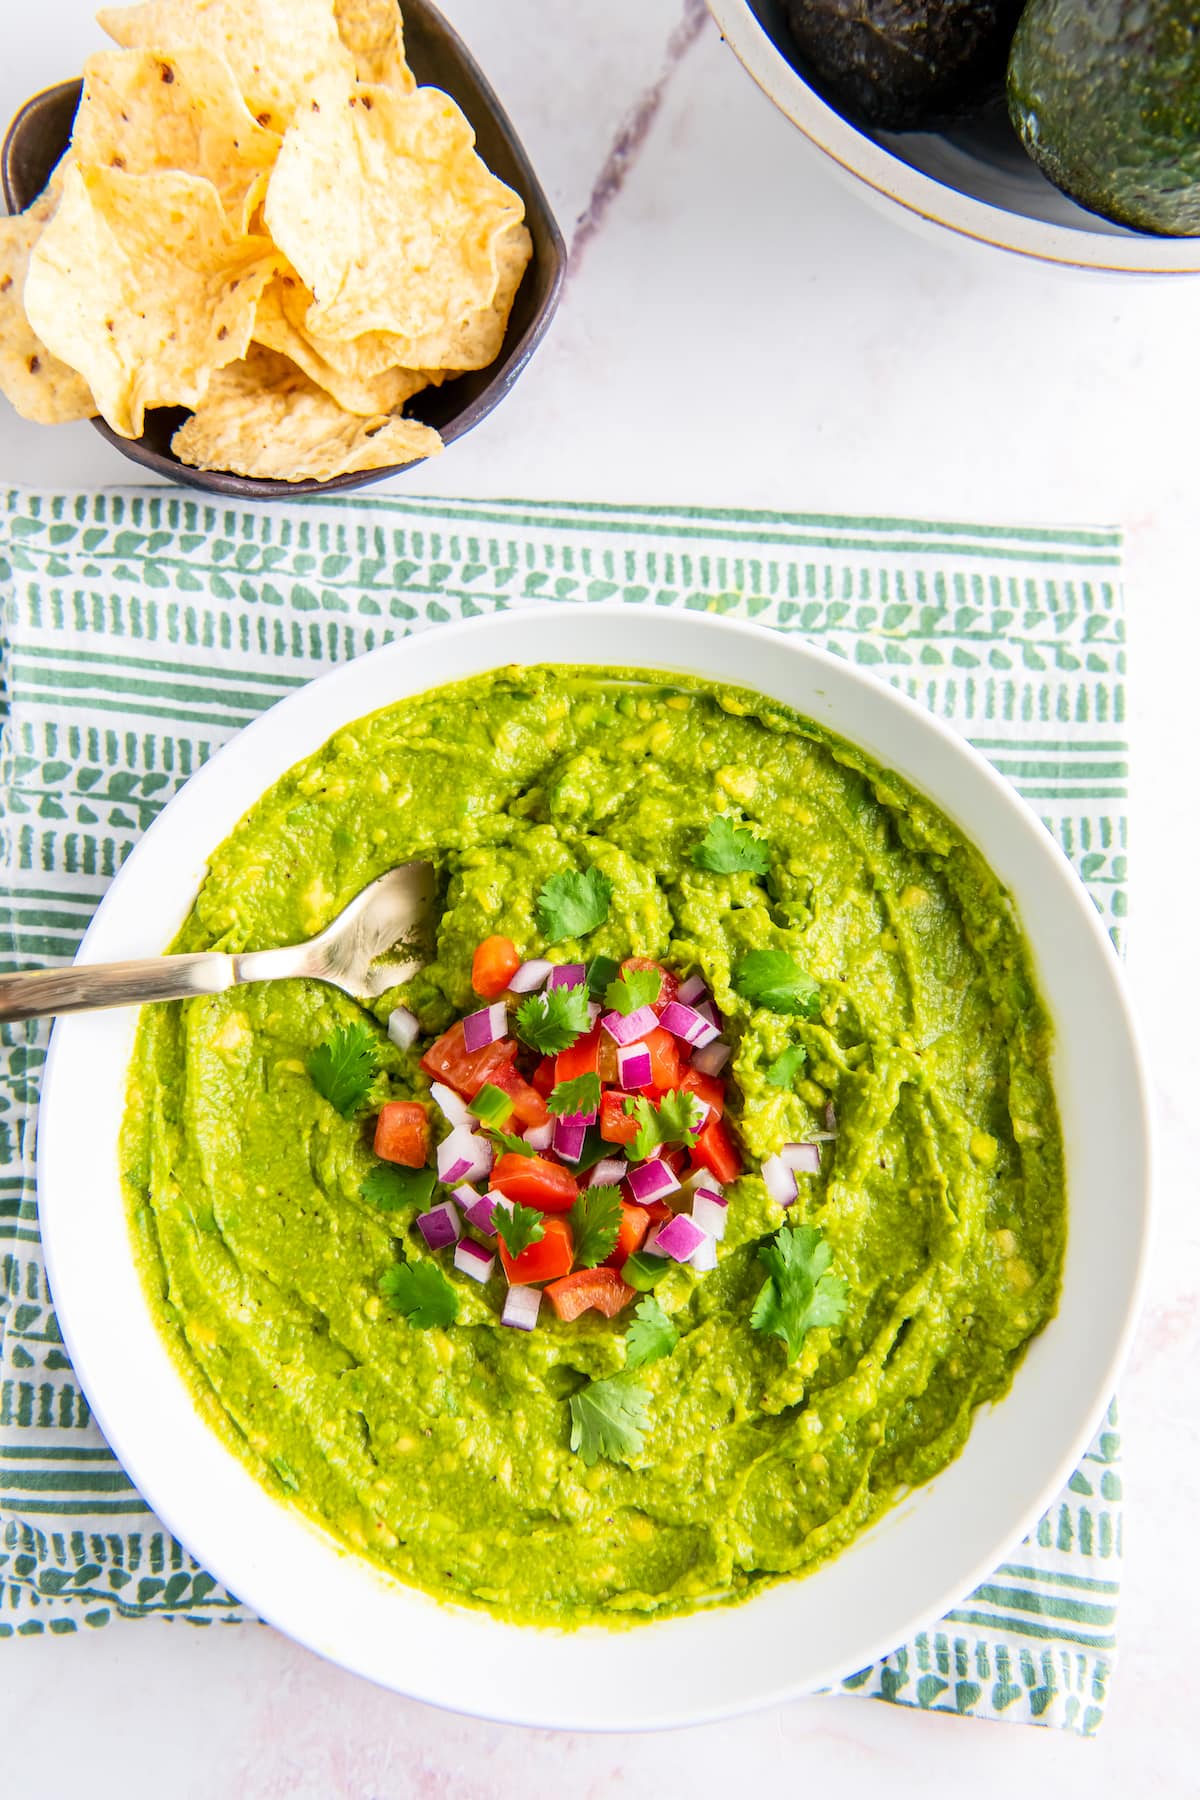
[[444, 1453]]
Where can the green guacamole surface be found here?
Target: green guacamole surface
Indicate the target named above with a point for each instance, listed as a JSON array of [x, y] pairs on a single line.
[[444, 1453]]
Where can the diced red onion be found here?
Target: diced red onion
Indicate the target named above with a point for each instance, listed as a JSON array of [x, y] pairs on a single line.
[[403, 1027], [651, 1180], [679, 1238], [607, 1172], [594, 1011], [710, 1059], [464, 1197], [686, 1023], [634, 1068], [627, 1028], [540, 1137], [440, 1226], [567, 975], [473, 1260], [531, 976], [650, 1242], [705, 1109], [521, 1307], [487, 1026], [569, 1133], [710, 1211], [831, 1123], [704, 1256], [464, 1156], [479, 1213], [802, 1159], [693, 989], [708, 1011], [780, 1181], [452, 1106]]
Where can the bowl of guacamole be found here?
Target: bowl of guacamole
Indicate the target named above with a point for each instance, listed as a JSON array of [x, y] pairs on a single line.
[[897, 1163]]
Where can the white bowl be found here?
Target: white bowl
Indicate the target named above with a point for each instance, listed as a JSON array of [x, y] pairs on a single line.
[[976, 181], [923, 1556]]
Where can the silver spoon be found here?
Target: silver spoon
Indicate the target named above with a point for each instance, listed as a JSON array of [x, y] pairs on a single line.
[[390, 918]]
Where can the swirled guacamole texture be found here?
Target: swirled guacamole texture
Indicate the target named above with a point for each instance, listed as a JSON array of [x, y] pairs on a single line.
[[443, 1454]]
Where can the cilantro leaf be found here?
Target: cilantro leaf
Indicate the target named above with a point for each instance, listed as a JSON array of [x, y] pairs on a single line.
[[799, 1292], [651, 1334], [784, 1070], [389, 1187], [770, 978], [727, 848], [518, 1226], [637, 987], [505, 1140], [608, 1418], [582, 1095], [595, 1220], [421, 1292], [552, 1020], [571, 905], [671, 1122], [343, 1070]]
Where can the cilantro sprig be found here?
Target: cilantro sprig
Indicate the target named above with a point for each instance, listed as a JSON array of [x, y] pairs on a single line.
[[343, 1069], [390, 1187], [784, 1070], [421, 1292], [637, 987], [517, 1226], [609, 1418], [772, 979], [595, 1220], [650, 1336], [799, 1293], [672, 1122], [507, 1141], [571, 905], [580, 1095], [551, 1021], [728, 848]]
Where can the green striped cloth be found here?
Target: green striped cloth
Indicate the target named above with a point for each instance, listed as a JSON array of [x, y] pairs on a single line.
[[142, 628]]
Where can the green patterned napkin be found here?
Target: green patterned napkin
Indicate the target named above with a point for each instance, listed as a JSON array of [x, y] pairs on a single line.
[[142, 628]]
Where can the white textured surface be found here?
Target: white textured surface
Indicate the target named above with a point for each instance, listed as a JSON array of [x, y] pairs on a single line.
[[741, 329]]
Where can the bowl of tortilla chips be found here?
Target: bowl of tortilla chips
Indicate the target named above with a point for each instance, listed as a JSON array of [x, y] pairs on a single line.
[[272, 246]]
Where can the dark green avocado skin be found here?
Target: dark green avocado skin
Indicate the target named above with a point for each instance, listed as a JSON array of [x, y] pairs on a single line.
[[1105, 96], [904, 65]]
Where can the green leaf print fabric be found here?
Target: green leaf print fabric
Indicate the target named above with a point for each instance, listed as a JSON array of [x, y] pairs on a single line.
[[141, 628]]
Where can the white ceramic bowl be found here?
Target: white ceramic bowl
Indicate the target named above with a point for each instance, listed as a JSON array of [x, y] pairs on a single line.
[[923, 1556], [976, 181]]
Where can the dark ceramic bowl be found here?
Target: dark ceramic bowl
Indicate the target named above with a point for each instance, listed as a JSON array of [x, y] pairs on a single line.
[[41, 131]]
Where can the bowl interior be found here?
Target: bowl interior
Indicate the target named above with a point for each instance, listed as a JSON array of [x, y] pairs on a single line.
[[40, 132], [924, 1555]]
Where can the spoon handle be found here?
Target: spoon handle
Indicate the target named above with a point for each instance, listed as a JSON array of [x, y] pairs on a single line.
[[82, 989]]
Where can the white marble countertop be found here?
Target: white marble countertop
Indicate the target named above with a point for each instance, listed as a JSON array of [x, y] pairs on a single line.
[[739, 328]]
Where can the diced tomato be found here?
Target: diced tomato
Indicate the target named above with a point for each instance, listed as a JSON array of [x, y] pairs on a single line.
[[616, 1126], [493, 966], [601, 1288], [579, 1058], [535, 1181], [657, 1211], [713, 1149], [551, 1256], [665, 1071], [670, 985], [635, 1223], [449, 1060], [709, 1088], [402, 1133], [543, 1077], [528, 1106]]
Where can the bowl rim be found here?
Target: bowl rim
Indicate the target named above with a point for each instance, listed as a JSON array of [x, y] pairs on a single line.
[[927, 200], [161, 1455], [503, 372]]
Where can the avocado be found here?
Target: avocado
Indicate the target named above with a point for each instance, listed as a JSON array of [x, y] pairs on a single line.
[[904, 65], [1105, 95]]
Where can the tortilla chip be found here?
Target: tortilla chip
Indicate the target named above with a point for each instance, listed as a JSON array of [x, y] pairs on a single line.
[[382, 393], [277, 49], [382, 206], [264, 418], [144, 110], [141, 284], [373, 32], [40, 386]]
